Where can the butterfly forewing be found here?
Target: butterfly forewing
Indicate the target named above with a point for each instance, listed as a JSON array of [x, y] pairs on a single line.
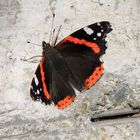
[[82, 51], [40, 84]]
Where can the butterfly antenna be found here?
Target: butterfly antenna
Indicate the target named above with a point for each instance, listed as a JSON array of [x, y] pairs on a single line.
[[52, 37], [51, 33], [31, 59], [33, 43], [56, 37]]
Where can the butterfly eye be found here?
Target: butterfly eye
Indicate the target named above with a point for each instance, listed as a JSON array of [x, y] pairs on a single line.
[[44, 43]]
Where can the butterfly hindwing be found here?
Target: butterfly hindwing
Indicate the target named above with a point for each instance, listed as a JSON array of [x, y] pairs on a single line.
[[82, 51], [63, 93], [61, 89], [82, 67]]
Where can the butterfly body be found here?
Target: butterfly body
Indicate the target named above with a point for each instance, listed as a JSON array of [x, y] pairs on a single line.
[[72, 63], [53, 57]]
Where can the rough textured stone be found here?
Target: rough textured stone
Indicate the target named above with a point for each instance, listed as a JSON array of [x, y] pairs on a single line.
[[119, 88]]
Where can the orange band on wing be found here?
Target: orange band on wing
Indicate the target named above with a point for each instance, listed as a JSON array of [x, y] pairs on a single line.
[[65, 102], [74, 40], [46, 93], [95, 76]]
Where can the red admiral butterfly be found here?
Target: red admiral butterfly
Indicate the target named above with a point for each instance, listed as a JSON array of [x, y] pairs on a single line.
[[73, 63]]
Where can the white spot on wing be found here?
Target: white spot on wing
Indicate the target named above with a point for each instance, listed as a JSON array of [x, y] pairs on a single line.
[[98, 24], [38, 99], [99, 34], [94, 38], [88, 30], [36, 80], [102, 30], [38, 92]]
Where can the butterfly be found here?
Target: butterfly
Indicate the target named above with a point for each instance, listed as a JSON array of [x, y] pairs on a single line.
[[73, 63]]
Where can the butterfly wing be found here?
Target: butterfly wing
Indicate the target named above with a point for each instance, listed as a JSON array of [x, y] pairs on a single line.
[[40, 87], [63, 93], [51, 82], [82, 51]]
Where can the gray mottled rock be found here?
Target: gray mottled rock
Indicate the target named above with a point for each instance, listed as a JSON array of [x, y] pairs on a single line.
[[119, 88]]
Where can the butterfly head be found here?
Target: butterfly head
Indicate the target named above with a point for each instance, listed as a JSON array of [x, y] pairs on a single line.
[[45, 47]]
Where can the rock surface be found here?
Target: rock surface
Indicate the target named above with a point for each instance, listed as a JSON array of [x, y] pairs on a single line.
[[119, 88]]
